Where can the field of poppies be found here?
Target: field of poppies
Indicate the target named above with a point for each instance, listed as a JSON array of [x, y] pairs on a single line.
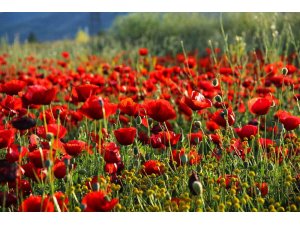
[[215, 129]]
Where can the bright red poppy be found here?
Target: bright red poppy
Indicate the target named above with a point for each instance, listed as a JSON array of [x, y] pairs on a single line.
[[246, 131], [160, 110], [153, 167], [74, 147], [129, 107], [39, 95], [7, 137], [143, 51], [259, 106], [12, 87], [112, 153], [82, 92], [36, 204], [221, 117], [197, 101], [291, 122], [38, 158], [98, 202], [125, 136], [97, 108]]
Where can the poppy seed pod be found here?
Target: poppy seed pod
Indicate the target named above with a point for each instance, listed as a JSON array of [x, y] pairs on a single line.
[[195, 189]]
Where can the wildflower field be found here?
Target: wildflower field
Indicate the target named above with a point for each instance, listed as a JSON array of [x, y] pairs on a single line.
[[200, 130]]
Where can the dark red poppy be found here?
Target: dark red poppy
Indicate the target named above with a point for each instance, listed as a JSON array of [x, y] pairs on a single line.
[[246, 131], [98, 202], [74, 147], [39, 95], [60, 170], [291, 122], [153, 167], [97, 108], [196, 101], [8, 198], [259, 106], [36, 204], [12, 87], [23, 123], [129, 107], [82, 92], [160, 110], [125, 136], [7, 137], [112, 153]]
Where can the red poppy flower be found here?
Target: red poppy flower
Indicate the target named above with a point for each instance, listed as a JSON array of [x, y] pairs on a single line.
[[143, 51], [39, 95], [82, 92], [23, 123], [125, 136], [60, 170], [263, 187], [291, 122], [112, 153], [38, 158], [7, 137], [220, 117], [228, 181], [58, 131], [74, 147], [97, 108], [259, 106], [62, 201], [111, 168], [129, 107], [153, 167], [246, 131], [11, 105], [196, 101], [36, 204], [169, 138], [98, 202], [160, 110], [176, 156], [194, 157], [12, 87], [195, 138]]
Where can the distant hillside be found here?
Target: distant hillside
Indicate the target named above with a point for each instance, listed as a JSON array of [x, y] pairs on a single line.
[[51, 26]]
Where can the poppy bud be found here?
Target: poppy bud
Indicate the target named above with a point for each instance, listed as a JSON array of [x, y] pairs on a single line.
[[218, 98], [215, 82], [95, 186], [83, 207], [138, 120], [48, 163], [284, 71], [49, 136], [184, 159]]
